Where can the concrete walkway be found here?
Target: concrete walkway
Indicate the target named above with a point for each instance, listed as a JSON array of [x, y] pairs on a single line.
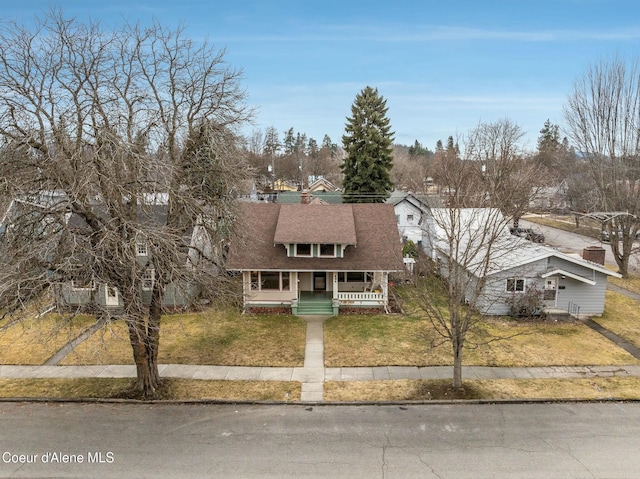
[[312, 389]]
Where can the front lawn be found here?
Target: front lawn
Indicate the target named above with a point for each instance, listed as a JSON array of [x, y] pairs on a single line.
[[394, 340], [32, 341], [215, 337]]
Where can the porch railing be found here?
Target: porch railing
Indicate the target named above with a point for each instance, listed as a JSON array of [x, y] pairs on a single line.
[[346, 296], [573, 309]]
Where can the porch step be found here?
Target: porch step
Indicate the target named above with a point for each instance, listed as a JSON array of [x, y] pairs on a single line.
[[315, 308]]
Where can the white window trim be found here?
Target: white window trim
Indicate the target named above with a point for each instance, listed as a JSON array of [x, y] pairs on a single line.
[[367, 276], [296, 254], [515, 288], [142, 249], [335, 251], [148, 279], [92, 286], [258, 284]]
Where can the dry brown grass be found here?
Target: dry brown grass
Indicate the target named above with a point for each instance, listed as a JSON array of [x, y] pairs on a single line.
[[173, 389], [421, 390], [622, 317], [632, 283], [210, 337], [543, 344], [406, 341], [33, 341]]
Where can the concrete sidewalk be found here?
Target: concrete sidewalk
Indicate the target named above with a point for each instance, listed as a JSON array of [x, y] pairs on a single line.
[[317, 375]]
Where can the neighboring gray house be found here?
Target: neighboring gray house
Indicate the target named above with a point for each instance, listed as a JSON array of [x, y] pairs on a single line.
[[175, 295], [83, 290], [565, 282]]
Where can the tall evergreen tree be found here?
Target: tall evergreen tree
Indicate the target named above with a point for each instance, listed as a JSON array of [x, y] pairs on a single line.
[[368, 145]]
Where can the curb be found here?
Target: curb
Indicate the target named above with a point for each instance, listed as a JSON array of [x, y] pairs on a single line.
[[439, 402]]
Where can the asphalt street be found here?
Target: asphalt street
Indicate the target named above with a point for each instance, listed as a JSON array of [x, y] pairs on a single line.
[[573, 243], [578, 440]]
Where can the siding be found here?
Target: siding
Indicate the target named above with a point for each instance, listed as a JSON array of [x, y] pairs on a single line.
[[411, 230], [590, 299]]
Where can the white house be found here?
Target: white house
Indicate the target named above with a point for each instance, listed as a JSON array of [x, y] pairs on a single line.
[[411, 212]]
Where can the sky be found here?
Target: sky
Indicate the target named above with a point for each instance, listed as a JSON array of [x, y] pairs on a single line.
[[442, 66]]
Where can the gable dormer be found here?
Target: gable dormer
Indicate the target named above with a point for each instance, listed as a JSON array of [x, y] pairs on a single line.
[[315, 231]]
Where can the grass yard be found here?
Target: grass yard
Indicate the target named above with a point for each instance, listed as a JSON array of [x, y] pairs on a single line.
[[419, 390], [632, 283], [218, 337], [33, 341], [172, 389], [622, 317], [353, 341]]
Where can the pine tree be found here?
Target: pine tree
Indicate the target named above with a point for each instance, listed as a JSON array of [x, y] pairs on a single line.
[[368, 144]]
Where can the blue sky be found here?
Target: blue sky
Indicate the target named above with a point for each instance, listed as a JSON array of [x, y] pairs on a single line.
[[443, 67]]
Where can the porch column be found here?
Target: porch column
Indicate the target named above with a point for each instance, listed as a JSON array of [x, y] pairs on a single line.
[[334, 282], [385, 287]]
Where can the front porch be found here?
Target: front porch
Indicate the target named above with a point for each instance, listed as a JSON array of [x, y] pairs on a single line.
[[314, 303], [318, 292], [324, 302]]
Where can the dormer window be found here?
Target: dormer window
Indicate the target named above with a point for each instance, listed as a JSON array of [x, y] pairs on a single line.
[[328, 250], [303, 249]]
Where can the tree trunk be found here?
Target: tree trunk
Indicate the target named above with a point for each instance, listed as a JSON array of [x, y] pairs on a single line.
[[621, 255], [146, 366], [457, 366], [153, 330]]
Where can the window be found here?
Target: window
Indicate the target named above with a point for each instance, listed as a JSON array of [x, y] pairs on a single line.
[[81, 285], [355, 277], [328, 250], [515, 285], [303, 249], [141, 249], [148, 279], [410, 218], [270, 281]]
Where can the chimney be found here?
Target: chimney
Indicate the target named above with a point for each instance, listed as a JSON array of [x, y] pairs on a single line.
[[305, 197], [595, 254]]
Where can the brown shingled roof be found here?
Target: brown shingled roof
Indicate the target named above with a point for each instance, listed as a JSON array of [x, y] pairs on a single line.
[[374, 227], [315, 224]]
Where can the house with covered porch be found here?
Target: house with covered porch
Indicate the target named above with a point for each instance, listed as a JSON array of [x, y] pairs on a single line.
[[316, 258]]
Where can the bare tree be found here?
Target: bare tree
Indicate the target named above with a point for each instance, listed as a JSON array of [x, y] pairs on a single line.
[[508, 179], [126, 142], [603, 122], [469, 239], [463, 242], [409, 170]]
